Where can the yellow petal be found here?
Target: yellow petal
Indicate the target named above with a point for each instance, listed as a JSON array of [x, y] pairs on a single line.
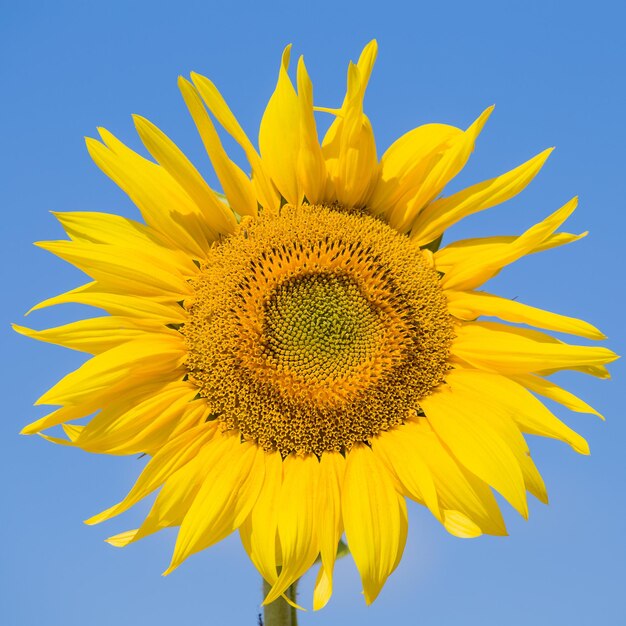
[[412, 472], [258, 531], [59, 416], [297, 531], [349, 147], [328, 523], [366, 61], [279, 135], [224, 500], [502, 420], [175, 497], [170, 458], [467, 505], [558, 239], [494, 247], [155, 357], [217, 105], [137, 270], [445, 169], [405, 165], [467, 267], [164, 205], [375, 519], [468, 305], [145, 424], [238, 188], [121, 540], [509, 350], [106, 228], [454, 252], [476, 443], [528, 412], [550, 390], [94, 335], [167, 153], [164, 308], [443, 213], [311, 168]]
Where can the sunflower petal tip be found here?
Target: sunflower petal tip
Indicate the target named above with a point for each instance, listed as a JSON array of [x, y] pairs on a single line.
[[93, 520], [373, 45]]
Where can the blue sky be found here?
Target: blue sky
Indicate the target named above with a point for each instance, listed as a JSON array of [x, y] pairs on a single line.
[[555, 72]]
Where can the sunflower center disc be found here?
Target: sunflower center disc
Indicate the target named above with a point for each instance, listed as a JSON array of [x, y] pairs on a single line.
[[316, 329], [321, 325]]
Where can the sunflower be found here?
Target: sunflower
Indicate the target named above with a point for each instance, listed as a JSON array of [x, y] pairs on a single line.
[[297, 355]]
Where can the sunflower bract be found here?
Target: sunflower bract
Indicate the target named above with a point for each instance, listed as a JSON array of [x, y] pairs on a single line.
[[296, 361]]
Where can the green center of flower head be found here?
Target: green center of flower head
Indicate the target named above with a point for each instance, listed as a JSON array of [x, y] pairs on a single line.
[[316, 329], [321, 322]]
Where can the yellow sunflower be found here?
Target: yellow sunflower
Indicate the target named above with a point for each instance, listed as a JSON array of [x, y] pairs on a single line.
[[297, 356]]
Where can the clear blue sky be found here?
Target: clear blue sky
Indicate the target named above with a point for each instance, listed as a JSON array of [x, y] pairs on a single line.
[[555, 72]]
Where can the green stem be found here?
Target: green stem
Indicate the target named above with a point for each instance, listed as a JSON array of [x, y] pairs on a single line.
[[279, 613]]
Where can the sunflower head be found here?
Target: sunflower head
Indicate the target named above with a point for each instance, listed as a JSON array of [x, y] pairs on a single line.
[[299, 359], [314, 329]]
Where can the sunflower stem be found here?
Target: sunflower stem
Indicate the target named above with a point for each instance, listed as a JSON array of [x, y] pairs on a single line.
[[279, 612]]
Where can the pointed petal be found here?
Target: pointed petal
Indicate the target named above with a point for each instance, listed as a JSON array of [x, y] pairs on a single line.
[[510, 350], [154, 357], [144, 424], [502, 420], [349, 147], [412, 472], [468, 305], [167, 153], [527, 411], [297, 532], [405, 165], [445, 169], [476, 443], [259, 530], [225, 498], [164, 205], [279, 135], [238, 188], [59, 416], [138, 271], [467, 267], [163, 308], [443, 213], [170, 458], [550, 390], [106, 228], [311, 169], [328, 523], [366, 61], [217, 105], [175, 497], [94, 335], [467, 505], [375, 518]]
